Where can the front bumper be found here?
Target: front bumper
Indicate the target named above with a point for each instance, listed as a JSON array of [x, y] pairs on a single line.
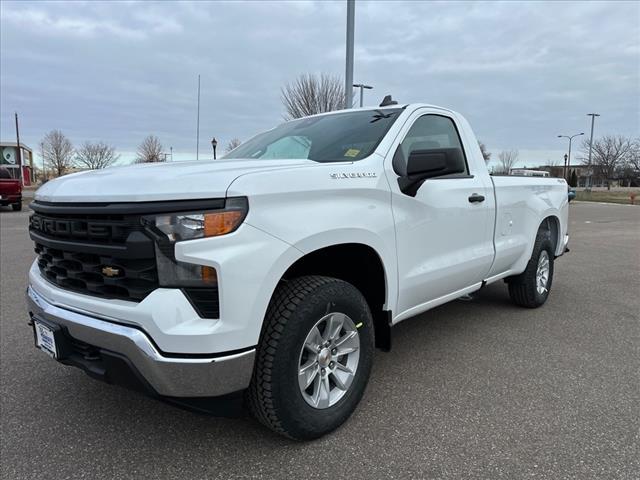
[[10, 199], [165, 375]]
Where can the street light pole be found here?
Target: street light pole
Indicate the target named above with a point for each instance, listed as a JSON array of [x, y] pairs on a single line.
[[198, 123], [362, 86], [348, 76], [19, 152], [214, 144], [567, 162], [593, 119]]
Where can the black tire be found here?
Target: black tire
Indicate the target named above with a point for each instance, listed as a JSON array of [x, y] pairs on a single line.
[[274, 396], [522, 288], [16, 206]]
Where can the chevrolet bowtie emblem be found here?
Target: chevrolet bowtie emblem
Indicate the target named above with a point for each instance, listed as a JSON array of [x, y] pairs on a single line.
[[110, 271]]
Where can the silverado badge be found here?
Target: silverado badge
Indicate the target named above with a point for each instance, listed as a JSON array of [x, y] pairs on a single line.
[[338, 176]]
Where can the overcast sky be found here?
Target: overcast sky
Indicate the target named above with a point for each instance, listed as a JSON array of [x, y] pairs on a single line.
[[522, 73]]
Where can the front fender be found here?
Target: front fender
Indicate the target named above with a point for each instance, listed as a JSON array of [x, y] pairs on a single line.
[[361, 236], [249, 263]]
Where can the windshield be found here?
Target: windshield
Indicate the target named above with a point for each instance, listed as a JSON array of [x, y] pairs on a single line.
[[338, 137]]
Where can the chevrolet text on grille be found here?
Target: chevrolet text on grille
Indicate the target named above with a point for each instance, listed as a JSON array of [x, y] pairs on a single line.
[[73, 228]]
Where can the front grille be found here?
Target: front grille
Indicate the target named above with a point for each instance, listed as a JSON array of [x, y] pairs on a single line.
[[95, 254], [83, 273]]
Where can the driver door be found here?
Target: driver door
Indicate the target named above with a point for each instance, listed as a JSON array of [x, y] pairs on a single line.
[[444, 239]]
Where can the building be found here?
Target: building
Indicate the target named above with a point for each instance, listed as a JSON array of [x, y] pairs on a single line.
[[582, 171], [598, 179], [10, 160]]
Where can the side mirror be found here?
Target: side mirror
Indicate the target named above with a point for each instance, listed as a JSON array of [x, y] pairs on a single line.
[[425, 164]]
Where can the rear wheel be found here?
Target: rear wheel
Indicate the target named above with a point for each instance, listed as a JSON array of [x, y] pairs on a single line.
[[531, 288], [17, 206], [314, 357]]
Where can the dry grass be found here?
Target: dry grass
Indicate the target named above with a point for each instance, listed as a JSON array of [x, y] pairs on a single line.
[[608, 196]]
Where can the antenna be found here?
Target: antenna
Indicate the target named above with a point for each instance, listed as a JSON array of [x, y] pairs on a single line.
[[388, 101]]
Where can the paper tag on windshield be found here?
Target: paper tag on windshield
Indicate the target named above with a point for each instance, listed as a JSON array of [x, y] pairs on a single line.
[[352, 152]]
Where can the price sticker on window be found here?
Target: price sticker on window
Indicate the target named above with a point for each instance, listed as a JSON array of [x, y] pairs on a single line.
[[352, 152]]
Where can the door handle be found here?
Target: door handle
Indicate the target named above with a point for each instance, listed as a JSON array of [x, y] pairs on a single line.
[[475, 198]]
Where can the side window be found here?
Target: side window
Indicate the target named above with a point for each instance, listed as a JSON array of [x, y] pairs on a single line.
[[431, 132]]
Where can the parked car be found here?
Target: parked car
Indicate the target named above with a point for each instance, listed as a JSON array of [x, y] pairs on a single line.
[[277, 270], [10, 190]]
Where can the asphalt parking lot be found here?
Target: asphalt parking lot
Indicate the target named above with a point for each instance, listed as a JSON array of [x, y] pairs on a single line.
[[478, 389]]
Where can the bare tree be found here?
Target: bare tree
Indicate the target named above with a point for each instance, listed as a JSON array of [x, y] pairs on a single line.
[[233, 143], [507, 161], [96, 155], [634, 155], [608, 154], [310, 94], [150, 151], [57, 152], [485, 153]]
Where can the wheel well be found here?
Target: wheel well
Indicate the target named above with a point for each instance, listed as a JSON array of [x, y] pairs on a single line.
[[552, 225], [359, 265]]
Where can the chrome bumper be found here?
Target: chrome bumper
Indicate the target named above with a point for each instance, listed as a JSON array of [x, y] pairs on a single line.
[[171, 376]]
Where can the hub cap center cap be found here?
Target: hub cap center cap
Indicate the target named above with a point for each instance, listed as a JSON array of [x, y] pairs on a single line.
[[324, 357]]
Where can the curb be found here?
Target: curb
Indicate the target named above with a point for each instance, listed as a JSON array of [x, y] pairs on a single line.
[[605, 203]]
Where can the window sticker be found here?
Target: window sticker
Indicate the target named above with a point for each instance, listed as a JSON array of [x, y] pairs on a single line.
[[352, 152]]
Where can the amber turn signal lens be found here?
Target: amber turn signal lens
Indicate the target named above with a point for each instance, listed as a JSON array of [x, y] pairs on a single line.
[[221, 223], [209, 275]]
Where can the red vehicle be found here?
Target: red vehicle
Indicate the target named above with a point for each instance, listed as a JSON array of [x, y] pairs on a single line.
[[10, 190]]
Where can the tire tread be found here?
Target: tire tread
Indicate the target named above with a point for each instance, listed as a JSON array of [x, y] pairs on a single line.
[[522, 287], [286, 299]]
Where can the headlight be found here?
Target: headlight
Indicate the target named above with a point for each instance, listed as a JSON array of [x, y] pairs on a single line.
[[175, 227], [191, 225]]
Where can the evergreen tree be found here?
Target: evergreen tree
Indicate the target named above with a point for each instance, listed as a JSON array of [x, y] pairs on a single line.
[[573, 179]]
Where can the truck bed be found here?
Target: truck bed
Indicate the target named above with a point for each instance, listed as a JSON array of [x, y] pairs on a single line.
[[519, 201]]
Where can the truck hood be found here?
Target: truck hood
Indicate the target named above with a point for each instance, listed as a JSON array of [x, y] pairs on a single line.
[[157, 181]]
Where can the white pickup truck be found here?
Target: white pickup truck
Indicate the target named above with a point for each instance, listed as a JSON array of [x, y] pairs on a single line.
[[274, 272]]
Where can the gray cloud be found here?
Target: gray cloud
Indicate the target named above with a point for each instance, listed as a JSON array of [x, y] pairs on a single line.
[[521, 72]]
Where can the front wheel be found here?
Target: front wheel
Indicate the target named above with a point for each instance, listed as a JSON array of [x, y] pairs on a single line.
[[314, 357]]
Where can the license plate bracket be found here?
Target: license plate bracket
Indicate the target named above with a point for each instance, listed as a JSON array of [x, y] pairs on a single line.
[[49, 338]]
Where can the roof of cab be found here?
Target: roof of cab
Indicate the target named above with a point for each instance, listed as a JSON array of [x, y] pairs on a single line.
[[405, 106]]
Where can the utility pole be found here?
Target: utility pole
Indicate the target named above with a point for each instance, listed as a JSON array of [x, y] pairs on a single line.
[[593, 119], [19, 151], [198, 122], [362, 86], [348, 76]]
